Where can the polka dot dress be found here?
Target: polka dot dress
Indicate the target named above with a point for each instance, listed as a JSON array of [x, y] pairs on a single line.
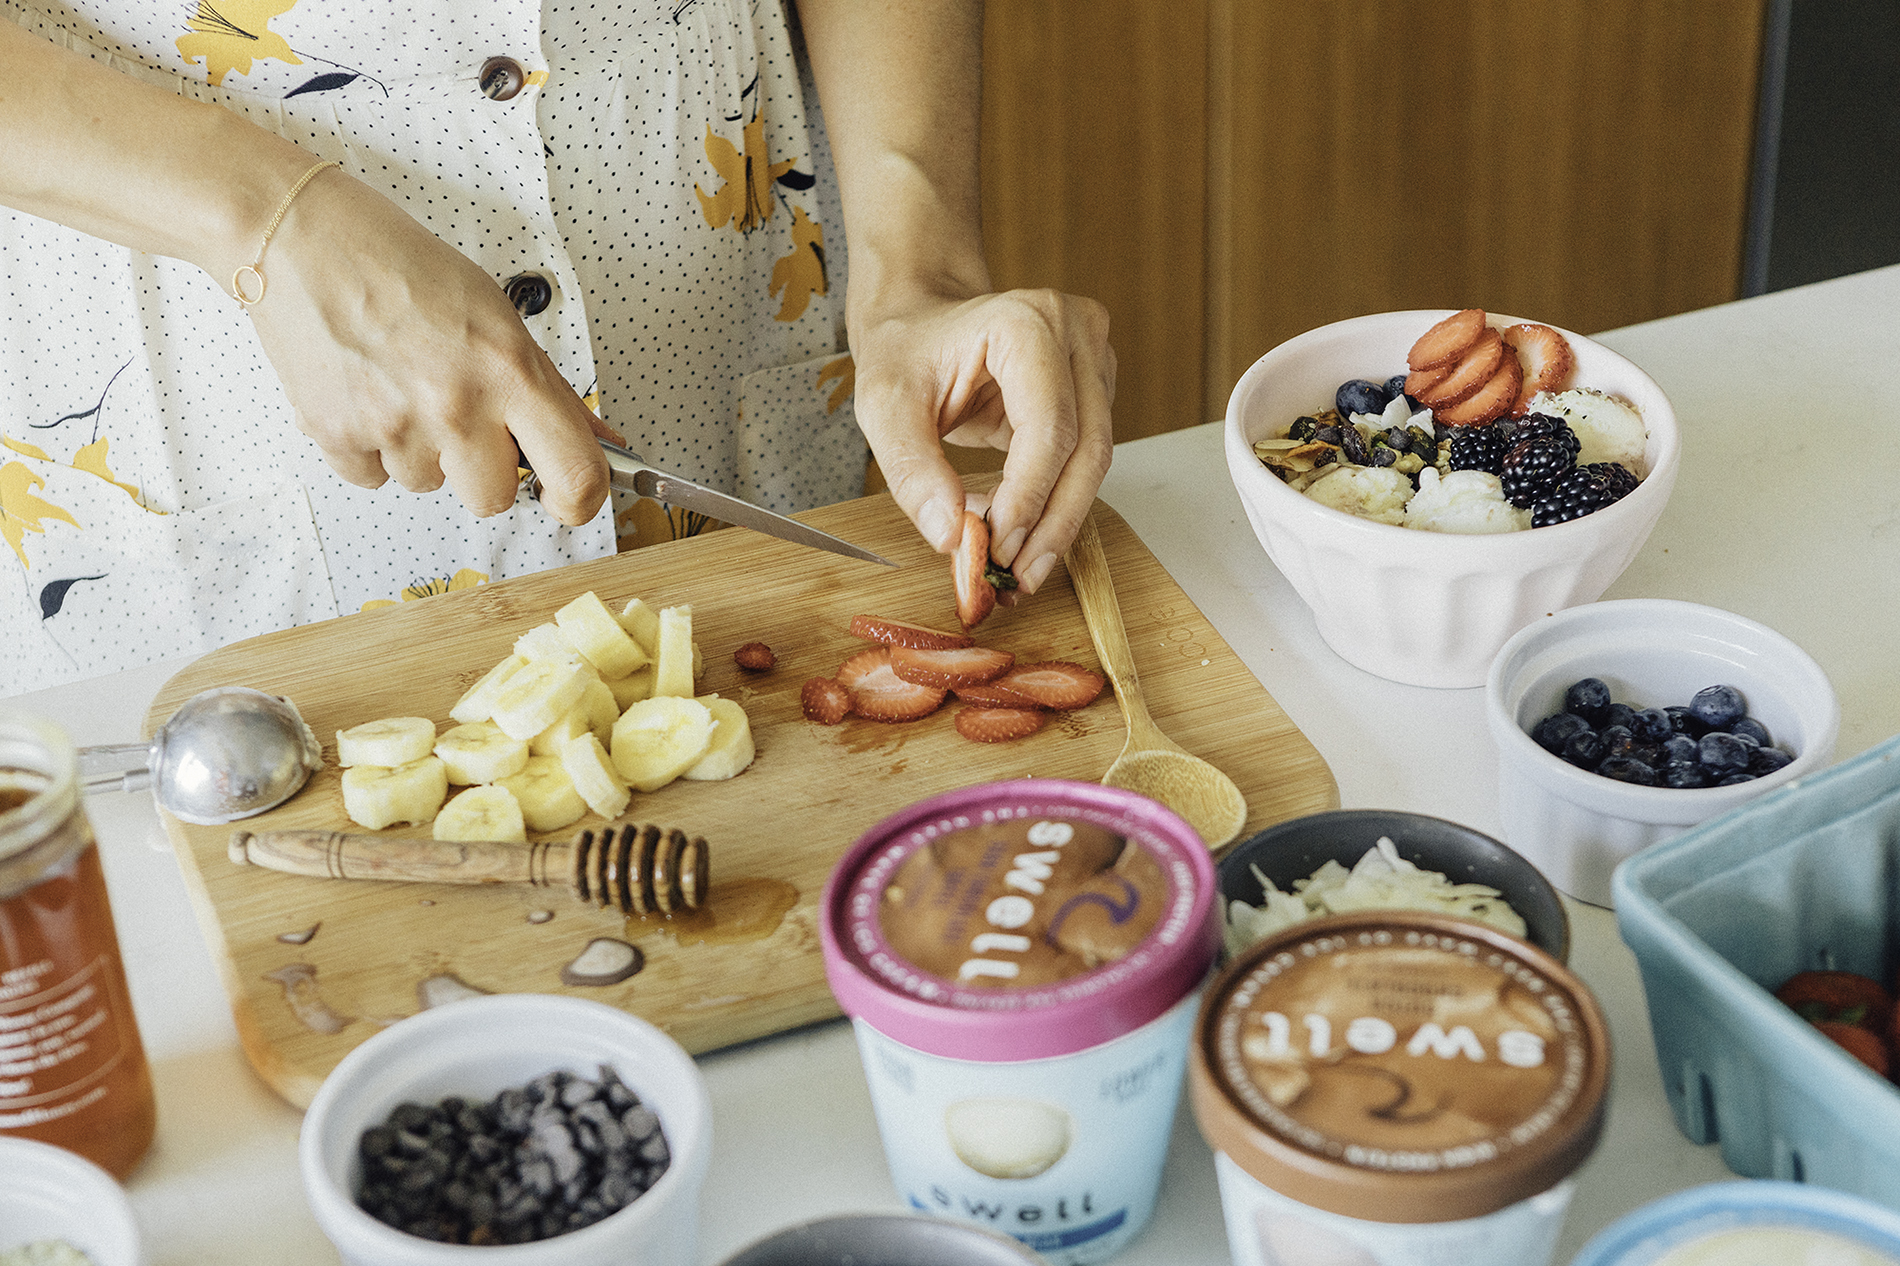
[[648, 181]]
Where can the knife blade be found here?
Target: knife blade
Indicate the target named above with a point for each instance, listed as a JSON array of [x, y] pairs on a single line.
[[631, 473]]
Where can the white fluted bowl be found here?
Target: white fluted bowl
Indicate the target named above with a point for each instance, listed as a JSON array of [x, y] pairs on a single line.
[[1429, 608]]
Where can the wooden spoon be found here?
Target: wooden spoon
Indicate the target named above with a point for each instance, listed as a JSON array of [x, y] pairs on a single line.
[[1150, 763]]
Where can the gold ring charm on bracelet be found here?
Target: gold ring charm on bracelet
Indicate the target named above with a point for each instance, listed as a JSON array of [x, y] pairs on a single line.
[[242, 287]]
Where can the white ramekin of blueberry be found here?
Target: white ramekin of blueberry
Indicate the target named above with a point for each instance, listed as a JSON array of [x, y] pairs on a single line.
[[1620, 724]]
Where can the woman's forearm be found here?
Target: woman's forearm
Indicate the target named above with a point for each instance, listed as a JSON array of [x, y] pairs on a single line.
[[102, 152], [900, 85]]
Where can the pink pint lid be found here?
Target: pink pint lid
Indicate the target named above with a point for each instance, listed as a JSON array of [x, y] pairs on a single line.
[[1020, 920]]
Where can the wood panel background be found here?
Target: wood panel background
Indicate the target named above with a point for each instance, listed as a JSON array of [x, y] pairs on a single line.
[[1224, 174]]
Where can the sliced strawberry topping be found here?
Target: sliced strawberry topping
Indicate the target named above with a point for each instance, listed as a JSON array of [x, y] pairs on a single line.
[[1420, 381], [825, 701], [877, 628], [998, 725], [947, 669], [1547, 360], [1472, 371], [1489, 401], [1057, 685], [880, 694], [1445, 342], [976, 598]]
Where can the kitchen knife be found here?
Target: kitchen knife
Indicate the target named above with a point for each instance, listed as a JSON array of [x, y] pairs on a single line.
[[634, 475]]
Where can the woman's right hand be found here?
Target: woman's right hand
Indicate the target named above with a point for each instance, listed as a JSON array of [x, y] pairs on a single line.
[[405, 361]]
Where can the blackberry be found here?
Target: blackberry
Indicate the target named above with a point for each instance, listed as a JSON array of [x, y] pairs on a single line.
[[1536, 424], [1569, 496], [1533, 467], [1478, 448], [1618, 481]]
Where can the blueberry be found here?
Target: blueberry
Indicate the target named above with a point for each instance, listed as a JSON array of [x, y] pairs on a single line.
[[1617, 739], [1736, 779], [1718, 707], [1722, 753], [1584, 749], [1619, 714], [1588, 698], [1683, 721], [1555, 730], [1395, 387], [1749, 727], [1683, 775], [1624, 769], [1680, 749], [1767, 760], [1361, 396], [1652, 725]]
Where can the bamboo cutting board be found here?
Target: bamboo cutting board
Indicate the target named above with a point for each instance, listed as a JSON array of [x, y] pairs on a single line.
[[748, 966]]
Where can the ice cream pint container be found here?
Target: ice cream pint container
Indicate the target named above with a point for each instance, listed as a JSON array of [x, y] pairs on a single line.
[[1388, 1088], [1752, 1222], [1021, 962]]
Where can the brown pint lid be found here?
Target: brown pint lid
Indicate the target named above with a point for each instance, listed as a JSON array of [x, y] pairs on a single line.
[[1400, 1067]]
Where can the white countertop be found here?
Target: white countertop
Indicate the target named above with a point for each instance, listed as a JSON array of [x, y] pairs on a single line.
[[1787, 511]]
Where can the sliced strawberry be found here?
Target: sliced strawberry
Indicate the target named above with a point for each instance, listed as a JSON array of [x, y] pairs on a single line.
[[1858, 1042], [880, 694], [1420, 381], [1471, 372], [825, 701], [1445, 342], [999, 725], [1547, 360], [1057, 685], [976, 598], [993, 694], [947, 669], [1487, 402], [878, 628]]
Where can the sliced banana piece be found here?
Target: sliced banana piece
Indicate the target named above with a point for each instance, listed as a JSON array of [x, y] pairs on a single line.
[[600, 638], [389, 742], [731, 748], [539, 694], [673, 662], [642, 622], [376, 796], [632, 688], [479, 753], [658, 739], [482, 813], [593, 713], [546, 641], [593, 774], [478, 703], [546, 794]]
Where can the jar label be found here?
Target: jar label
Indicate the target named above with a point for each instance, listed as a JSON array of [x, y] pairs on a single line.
[[58, 1042]]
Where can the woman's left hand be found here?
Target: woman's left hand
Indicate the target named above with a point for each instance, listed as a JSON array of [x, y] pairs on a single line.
[[1028, 371]]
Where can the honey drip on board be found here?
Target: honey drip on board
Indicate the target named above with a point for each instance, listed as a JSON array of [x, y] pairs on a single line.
[[735, 910]]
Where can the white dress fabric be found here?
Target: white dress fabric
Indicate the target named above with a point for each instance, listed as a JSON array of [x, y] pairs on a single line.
[[659, 167]]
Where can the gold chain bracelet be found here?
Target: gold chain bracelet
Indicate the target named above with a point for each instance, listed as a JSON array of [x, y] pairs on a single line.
[[241, 285]]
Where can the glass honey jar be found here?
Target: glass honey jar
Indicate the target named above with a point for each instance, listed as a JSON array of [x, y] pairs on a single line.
[[73, 1072]]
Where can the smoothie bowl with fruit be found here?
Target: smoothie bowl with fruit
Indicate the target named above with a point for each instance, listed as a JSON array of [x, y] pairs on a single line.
[[1430, 482]]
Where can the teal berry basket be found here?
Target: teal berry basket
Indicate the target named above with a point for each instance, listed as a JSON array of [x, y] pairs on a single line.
[[1807, 877]]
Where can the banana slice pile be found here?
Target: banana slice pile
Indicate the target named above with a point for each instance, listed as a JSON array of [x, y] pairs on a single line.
[[589, 708]]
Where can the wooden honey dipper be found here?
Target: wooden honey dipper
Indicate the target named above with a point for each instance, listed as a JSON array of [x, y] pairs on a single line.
[[636, 867]]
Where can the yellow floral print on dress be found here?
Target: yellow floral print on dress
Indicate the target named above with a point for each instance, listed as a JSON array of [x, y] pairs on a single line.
[[230, 34], [20, 511], [800, 274], [745, 199], [466, 578], [843, 371]]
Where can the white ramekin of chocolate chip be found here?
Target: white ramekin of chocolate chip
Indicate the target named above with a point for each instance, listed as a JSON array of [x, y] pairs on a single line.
[[1620, 724], [527, 1129]]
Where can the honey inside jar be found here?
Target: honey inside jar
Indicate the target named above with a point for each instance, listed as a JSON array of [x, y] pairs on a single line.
[[73, 1071]]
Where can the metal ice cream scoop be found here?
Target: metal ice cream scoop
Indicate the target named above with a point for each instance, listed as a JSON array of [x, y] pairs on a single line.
[[228, 753]]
